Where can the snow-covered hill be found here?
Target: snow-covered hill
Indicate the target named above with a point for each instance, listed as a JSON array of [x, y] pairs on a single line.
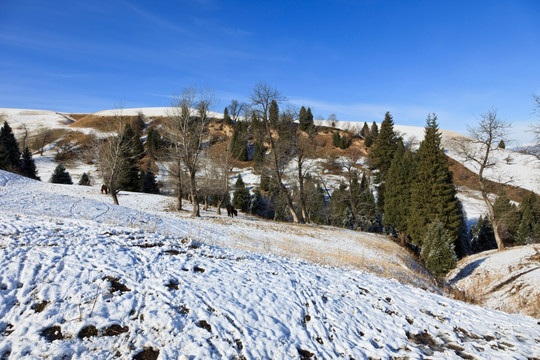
[[77, 284], [34, 120]]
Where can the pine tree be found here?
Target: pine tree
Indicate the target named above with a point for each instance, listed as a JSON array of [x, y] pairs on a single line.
[[273, 114], [507, 216], [374, 131], [226, 118], [133, 151], [501, 145], [305, 119], [265, 181], [482, 237], [28, 166], [338, 204], [61, 176], [336, 139], [10, 155], [149, 183], [153, 142], [318, 207], [365, 131], [381, 156], [259, 155], [433, 195], [398, 191], [241, 195], [368, 141], [259, 204], [438, 250], [238, 141], [529, 226], [84, 180]]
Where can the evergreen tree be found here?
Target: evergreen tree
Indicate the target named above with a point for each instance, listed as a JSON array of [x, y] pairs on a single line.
[[529, 226], [265, 181], [398, 191], [433, 196], [318, 207], [273, 114], [259, 205], [10, 155], [132, 152], [365, 131], [61, 176], [153, 142], [374, 131], [336, 139], [28, 166], [84, 180], [368, 141], [482, 237], [507, 216], [501, 145], [149, 184], [226, 118], [381, 156], [438, 250], [305, 119], [239, 141], [241, 195], [338, 204], [259, 155]]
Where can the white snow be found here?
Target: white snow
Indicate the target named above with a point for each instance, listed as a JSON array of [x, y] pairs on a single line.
[[188, 299], [147, 111]]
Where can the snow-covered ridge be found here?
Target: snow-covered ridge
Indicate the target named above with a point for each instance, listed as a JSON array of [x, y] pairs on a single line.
[[76, 284], [513, 167], [147, 111]]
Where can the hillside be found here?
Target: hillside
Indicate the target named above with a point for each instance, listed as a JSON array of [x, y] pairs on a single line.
[[76, 284]]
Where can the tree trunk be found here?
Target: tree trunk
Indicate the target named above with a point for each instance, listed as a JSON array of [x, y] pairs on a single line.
[[114, 194], [206, 203], [179, 200], [494, 222], [303, 206], [196, 211], [220, 201]]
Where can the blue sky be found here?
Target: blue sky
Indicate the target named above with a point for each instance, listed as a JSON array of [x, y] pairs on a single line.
[[357, 59]]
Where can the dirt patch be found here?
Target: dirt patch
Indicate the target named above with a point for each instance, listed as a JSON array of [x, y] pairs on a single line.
[[87, 332], [52, 333], [40, 306], [116, 285], [147, 353], [115, 330]]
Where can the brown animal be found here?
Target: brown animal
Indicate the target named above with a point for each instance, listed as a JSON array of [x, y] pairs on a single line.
[[104, 189], [231, 211]]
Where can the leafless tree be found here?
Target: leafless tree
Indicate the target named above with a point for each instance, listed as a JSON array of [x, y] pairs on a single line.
[[303, 150], [111, 154], [478, 150], [236, 109], [277, 135], [186, 130], [535, 128], [220, 165]]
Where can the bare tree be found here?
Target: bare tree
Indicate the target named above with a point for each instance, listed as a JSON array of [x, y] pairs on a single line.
[[478, 150], [186, 130], [236, 109], [303, 146], [277, 132], [535, 128], [221, 162], [111, 154]]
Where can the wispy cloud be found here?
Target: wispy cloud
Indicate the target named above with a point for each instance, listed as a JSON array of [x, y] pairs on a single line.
[[154, 18]]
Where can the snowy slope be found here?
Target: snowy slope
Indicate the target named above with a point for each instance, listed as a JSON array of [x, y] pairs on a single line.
[[147, 111], [508, 280], [68, 265], [34, 120]]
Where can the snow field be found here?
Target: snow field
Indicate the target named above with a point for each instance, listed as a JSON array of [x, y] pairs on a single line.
[[67, 262]]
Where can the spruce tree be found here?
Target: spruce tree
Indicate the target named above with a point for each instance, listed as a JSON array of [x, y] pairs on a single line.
[[132, 152], [61, 176], [318, 207], [259, 204], [374, 131], [507, 216], [381, 155], [241, 195], [226, 118], [529, 226], [84, 180], [398, 191], [336, 139], [238, 141], [259, 155], [438, 250], [482, 237], [305, 119], [28, 166], [153, 142], [501, 145], [365, 131], [273, 114], [9, 150], [149, 183], [433, 195]]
